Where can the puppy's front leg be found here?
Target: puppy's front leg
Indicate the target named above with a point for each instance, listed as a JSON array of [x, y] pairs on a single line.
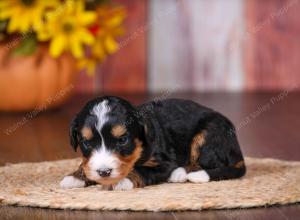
[[143, 176], [76, 179]]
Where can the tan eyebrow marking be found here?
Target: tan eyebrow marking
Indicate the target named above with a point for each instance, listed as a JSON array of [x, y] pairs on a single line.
[[87, 133], [118, 130]]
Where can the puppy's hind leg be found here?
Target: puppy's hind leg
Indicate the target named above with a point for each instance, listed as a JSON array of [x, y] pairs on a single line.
[[178, 175], [215, 152], [200, 176], [216, 174]]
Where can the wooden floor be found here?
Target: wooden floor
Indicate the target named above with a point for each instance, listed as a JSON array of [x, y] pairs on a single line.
[[267, 124]]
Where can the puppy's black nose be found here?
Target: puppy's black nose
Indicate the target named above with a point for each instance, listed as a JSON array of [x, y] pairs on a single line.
[[104, 172]]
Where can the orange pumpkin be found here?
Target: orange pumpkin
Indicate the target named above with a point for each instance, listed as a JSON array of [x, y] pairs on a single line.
[[36, 81]]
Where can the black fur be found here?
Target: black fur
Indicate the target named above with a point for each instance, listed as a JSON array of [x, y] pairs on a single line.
[[167, 128]]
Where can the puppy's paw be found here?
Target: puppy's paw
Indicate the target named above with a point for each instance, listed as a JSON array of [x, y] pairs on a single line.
[[200, 176], [124, 184], [178, 176], [69, 182]]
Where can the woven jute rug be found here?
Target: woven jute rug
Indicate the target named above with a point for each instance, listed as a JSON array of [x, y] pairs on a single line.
[[268, 182]]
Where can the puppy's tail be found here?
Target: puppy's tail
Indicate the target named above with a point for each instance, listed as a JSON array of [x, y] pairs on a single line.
[[224, 173]]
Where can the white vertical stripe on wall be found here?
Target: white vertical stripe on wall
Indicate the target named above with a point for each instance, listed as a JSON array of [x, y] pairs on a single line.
[[166, 46], [196, 45]]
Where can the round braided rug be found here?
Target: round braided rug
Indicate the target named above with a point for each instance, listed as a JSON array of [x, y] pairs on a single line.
[[268, 182]]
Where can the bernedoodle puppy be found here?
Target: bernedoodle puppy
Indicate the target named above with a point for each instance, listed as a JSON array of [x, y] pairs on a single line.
[[171, 140]]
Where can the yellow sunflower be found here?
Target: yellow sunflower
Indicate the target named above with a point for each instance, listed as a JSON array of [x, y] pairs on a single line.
[[110, 22], [67, 29], [88, 64], [24, 14], [108, 27]]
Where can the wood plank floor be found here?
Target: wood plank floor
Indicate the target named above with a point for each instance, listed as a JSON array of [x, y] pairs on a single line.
[[267, 125]]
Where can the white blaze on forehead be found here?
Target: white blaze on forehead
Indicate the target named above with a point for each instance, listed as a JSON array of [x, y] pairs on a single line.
[[100, 111], [102, 158]]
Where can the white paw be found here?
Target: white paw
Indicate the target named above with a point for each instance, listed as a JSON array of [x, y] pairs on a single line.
[[200, 176], [178, 175], [71, 182], [124, 184]]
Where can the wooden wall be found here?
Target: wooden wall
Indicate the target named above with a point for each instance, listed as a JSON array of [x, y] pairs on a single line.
[[204, 45], [229, 45], [124, 71], [272, 52], [197, 46]]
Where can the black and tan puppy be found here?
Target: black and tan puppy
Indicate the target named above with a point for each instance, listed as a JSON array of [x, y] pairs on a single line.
[[126, 146]]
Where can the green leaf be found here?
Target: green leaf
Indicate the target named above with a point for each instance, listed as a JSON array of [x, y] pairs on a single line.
[[3, 25], [27, 46], [93, 4]]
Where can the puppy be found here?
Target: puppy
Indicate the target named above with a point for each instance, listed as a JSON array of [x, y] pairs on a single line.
[[171, 140]]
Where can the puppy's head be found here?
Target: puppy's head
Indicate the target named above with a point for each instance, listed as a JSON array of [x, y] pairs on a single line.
[[109, 135]]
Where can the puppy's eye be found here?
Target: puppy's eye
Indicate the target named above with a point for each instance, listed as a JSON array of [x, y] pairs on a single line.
[[86, 144], [123, 140]]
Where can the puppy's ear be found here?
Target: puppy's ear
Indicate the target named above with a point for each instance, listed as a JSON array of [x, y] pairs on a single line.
[[148, 130], [74, 133]]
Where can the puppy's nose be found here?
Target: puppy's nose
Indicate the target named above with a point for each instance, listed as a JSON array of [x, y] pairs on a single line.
[[104, 172]]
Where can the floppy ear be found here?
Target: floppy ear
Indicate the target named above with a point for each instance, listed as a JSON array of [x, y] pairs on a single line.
[[148, 128], [74, 133]]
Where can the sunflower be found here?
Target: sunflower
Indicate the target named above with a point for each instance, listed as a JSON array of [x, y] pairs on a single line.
[[106, 29], [24, 14], [67, 29], [88, 64], [110, 27]]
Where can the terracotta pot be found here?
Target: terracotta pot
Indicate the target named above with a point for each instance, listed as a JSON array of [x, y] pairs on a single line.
[[36, 81]]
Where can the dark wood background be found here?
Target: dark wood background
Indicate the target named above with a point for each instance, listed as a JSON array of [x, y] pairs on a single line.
[[199, 45]]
